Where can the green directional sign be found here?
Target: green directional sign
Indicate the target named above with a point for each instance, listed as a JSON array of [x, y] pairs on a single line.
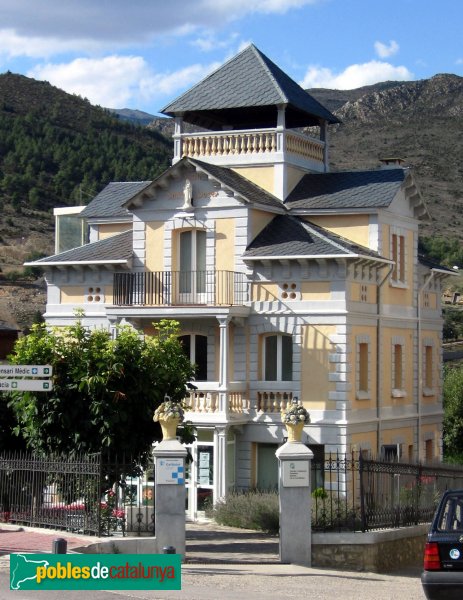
[[23, 385], [26, 370]]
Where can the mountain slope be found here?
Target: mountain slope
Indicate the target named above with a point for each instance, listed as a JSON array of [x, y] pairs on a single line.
[[419, 121]]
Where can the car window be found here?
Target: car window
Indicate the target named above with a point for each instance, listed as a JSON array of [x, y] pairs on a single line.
[[451, 516]]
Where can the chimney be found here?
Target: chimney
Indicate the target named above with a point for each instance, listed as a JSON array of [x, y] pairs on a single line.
[[392, 162]]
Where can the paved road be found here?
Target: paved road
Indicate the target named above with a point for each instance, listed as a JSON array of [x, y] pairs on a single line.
[[253, 582], [227, 564]]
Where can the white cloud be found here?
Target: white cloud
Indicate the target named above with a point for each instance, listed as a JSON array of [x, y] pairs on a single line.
[[118, 81], [169, 83], [384, 51], [459, 61], [110, 81], [355, 76], [209, 41], [12, 45], [122, 22]]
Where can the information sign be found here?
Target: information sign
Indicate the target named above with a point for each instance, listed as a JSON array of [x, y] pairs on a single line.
[[29, 385], [26, 370], [295, 473]]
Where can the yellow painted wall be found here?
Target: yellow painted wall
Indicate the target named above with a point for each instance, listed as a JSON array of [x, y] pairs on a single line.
[[258, 219], [76, 294], [225, 244], [316, 291], [265, 292], [315, 352], [360, 330], [404, 434], [393, 294], [436, 365], [363, 441], [431, 300], [154, 260], [352, 227], [293, 178], [386, 366], [261, 176], [425, 431], [106, 231], [356, 293], [72, 294]]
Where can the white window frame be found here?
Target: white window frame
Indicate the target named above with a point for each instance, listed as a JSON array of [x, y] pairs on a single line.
[[399, 275], [362, 394], [398, 391], [428, 391], [279, 361]]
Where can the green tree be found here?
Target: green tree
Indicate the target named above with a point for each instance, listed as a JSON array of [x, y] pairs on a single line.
[[105, 390], [453, 414]]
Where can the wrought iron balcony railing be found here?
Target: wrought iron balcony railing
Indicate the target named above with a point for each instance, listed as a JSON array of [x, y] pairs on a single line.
[[171, 288]]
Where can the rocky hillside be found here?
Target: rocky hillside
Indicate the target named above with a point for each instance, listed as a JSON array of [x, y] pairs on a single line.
[[419, 121]]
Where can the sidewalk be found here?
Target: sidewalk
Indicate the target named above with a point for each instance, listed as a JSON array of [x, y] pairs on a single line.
[[224, 563]]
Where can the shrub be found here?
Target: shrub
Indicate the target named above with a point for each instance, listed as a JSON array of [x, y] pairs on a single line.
[[249, 510]]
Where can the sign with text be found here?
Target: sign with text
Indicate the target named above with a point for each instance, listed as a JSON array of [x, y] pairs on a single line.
[[25, 385], [295, 473], [95, 572], [170, 471], [26, 370]]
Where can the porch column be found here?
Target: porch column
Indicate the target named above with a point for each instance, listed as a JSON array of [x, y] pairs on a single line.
[[220, 462], [223, 372], [324, 138], [177, 137]]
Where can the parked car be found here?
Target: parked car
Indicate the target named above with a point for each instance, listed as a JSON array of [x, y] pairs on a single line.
[[442, 576]]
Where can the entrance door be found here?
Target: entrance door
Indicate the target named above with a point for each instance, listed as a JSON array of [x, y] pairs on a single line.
[[267, 467], [192, 283], [200, 480]]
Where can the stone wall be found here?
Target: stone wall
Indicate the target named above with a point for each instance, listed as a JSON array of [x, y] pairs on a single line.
[[374, 551]]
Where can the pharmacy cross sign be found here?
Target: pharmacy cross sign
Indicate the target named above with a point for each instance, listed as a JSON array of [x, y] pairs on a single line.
[[25, 378]]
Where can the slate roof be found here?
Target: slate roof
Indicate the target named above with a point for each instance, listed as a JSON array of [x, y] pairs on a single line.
[[239, 184], [428, 262], [249, 80], [109, 202], [352, 189], [289, 236], [115, 248]]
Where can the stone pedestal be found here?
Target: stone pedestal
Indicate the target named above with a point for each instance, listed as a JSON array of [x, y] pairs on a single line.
[[169, 510], [294, 462]]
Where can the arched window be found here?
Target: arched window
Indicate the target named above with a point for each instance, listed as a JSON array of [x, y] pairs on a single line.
[[277, 357]]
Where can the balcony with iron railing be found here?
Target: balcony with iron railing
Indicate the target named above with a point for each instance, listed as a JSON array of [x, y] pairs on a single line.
[[252, 147], [180, 288]]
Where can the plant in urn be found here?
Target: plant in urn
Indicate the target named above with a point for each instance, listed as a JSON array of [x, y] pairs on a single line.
[[169, 414], [294, 418]]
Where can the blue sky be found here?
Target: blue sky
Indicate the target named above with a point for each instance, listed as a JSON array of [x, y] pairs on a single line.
[[143, 53]]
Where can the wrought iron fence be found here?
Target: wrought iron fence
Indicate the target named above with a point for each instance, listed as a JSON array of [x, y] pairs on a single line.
[[90, 494], [355, 493], [54, 492]]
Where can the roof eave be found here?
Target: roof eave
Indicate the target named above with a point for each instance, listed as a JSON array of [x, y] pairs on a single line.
[[320, 257], [68, 263]]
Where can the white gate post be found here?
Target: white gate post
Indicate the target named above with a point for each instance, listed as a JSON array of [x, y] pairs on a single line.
[[294, 462]]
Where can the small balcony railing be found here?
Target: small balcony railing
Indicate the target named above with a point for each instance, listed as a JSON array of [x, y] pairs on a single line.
[[171, 288], [258, 144]]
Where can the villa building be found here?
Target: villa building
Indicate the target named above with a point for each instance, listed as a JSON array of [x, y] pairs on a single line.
[[288, 280]]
